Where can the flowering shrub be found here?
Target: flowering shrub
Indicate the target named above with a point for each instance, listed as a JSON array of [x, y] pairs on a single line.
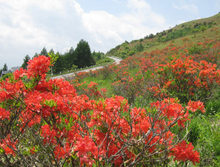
[[188, 79], [129, 87], [174, 71], [91, 90], [185, 152], [45, 122]]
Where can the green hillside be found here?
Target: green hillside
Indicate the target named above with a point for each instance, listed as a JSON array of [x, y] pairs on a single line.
[[194, 30], [181, 63], [160, 106]]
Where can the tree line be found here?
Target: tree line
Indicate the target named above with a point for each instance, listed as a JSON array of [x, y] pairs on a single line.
[[79, 57], [74, 58]]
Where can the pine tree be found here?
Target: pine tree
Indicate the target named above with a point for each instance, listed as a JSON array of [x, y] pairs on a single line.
[[58, 66], [5, 67], [44, 52], [83, 55], [26, 59]]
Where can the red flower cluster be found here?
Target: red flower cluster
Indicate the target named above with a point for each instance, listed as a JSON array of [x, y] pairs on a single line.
[[73, 129], [172, 110], [196, 105], [186, 78], [38, 66], [4, 114], [185, 152]]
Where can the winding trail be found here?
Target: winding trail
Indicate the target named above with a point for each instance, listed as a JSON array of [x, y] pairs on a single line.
[[116, 59]]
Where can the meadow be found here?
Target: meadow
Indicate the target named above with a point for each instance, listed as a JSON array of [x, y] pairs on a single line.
[[158, 107]]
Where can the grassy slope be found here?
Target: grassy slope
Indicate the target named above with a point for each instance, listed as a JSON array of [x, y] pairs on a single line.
[[204, 129], [127, 49], [212, 33]]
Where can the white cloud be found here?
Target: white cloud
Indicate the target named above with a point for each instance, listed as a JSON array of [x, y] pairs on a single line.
[[138, 4], [17, 25], [136, 24], [26, 26], [143, 12], [187, 7]]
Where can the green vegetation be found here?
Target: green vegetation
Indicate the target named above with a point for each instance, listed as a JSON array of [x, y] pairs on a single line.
[[185, 30], [192, 30], [26, 59], [177, 63], [83, 55], [4, 69], [72, 60], [159, 107]]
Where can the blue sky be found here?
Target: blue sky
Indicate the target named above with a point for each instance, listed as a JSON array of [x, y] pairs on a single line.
[[26, 26]]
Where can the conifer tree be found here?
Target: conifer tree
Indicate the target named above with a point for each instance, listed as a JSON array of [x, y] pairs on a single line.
[[26, 59], [83, 55]]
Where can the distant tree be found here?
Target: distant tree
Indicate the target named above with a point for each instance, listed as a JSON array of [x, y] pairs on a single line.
[[97, 55], [26, 59], [59, 64], [51, 51], [72, 56], [36, 54], [44, 52], [151, 36], [83, 54], [5, 67]]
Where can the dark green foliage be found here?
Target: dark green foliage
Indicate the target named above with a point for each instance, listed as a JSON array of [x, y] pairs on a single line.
[[81, 57], [139, 47], [35, 55], [65, 61], [44, 52], [213, 106], [60, 64], [5, 67], [70, 58], [25, 63], [98, 55], [170, 30], [83, 54], [149, 36]]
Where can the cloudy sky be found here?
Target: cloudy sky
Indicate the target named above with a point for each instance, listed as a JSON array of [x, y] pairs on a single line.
[[26, 26]]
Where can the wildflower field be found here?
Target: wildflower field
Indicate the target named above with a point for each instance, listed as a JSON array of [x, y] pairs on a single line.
[[158, 107]]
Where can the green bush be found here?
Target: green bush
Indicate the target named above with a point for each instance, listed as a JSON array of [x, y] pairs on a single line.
[[195, 49], [204, 133], [8, 75], [213, 104]]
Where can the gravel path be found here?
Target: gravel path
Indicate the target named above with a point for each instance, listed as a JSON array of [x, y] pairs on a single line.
[[116, 59]]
